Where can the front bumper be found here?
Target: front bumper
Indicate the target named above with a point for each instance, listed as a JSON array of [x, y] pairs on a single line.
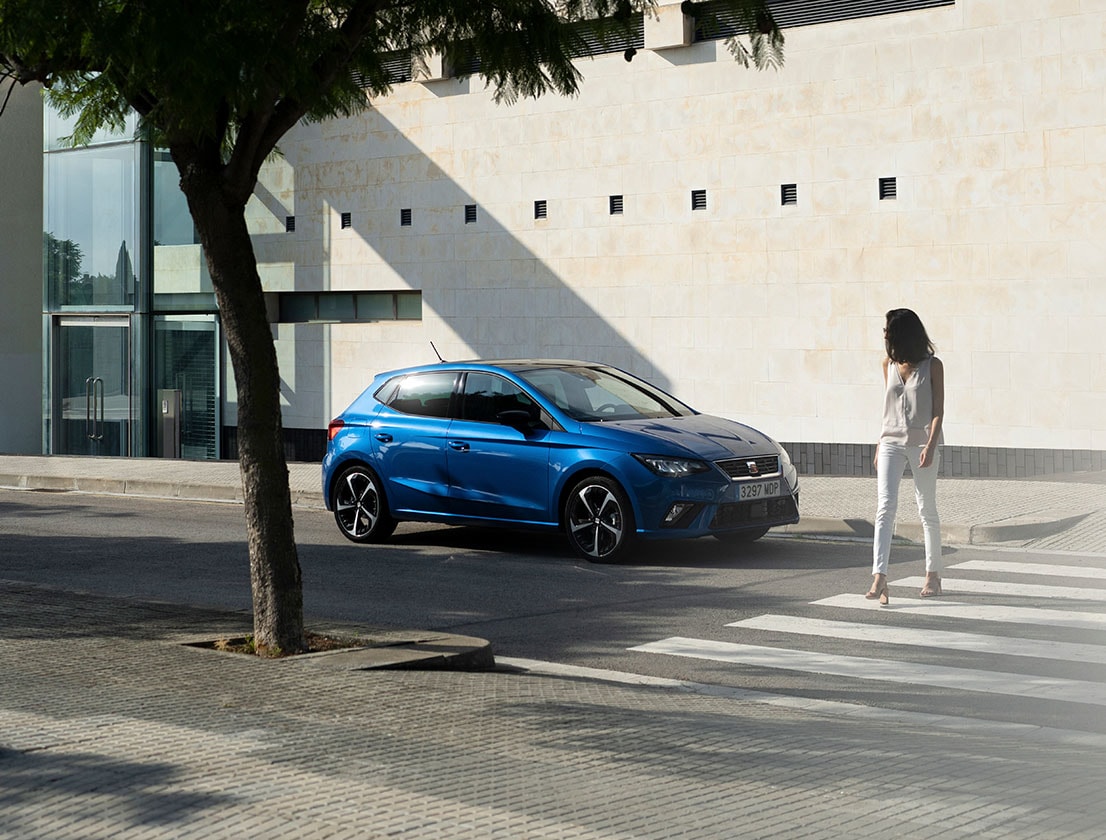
[[734, 516], [722, 512]]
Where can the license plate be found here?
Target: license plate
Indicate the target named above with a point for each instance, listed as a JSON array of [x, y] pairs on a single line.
[[760, 490]]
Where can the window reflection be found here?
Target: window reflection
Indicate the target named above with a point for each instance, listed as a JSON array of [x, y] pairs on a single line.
[[181, 279], [91, 226]]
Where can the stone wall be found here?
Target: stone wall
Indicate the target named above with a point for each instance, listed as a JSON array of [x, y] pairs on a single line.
[[988, 115]]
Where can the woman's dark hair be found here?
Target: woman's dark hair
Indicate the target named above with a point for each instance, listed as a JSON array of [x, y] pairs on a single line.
[[905, 337]]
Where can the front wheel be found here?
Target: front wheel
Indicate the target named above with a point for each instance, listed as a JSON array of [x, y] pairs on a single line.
[[598, 520], [360, 508]]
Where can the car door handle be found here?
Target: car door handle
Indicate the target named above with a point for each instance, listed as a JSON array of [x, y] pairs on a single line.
[[458, 445], [384, 437]]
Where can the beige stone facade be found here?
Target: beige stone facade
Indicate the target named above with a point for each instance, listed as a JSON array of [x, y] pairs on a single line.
[[990, 116]]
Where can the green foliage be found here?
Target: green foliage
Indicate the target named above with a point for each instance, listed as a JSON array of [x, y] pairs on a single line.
[[210, 72], [61, 261]]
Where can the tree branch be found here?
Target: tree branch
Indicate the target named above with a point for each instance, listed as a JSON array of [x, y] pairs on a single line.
[[261, 130]]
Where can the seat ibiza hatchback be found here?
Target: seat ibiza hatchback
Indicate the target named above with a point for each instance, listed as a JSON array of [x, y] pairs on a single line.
[[558, 445]]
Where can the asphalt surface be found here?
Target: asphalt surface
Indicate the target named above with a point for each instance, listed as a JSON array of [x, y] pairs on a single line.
[[1064, 512], [114, 723]]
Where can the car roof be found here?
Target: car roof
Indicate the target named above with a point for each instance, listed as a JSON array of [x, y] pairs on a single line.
[[514, 365]]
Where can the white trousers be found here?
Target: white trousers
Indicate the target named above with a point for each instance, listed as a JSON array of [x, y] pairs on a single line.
[[890, 464]]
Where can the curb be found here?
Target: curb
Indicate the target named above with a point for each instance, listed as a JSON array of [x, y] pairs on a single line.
[[1003, 530], [151, 488], [426, 652], [411, 650], [1024, 528]]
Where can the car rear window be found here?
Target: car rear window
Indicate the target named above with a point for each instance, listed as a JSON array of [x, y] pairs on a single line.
[[424, 394]]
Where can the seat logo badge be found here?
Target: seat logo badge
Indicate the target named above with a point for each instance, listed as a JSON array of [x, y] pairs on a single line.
[[752, 465]]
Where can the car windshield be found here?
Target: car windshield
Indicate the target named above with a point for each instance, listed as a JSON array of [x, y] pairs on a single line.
[[592, 394]]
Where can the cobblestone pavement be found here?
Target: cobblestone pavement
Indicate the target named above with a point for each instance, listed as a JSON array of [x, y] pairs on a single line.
[[111, 728], [1064, 515]]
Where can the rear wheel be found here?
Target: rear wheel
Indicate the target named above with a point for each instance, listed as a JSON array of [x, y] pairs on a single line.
[[598, 520], [360, 508], [739, 537]]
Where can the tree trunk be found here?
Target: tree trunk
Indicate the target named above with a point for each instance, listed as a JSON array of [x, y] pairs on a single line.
[[274, 565]]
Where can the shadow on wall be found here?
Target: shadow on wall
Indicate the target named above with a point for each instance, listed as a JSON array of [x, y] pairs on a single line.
[[494, 295]]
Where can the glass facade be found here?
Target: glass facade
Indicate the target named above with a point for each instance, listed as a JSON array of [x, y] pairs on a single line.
[[92, 231], [118, 244], [181, 282]]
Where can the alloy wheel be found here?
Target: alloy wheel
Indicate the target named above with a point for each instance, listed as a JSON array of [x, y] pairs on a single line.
[[598, 520], [359, 506]]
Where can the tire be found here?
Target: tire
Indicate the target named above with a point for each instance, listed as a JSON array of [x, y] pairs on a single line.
[[360, 508], [598, 520], [741, 537]]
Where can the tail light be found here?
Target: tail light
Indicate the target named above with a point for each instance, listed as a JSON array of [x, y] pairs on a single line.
[[333, 427]]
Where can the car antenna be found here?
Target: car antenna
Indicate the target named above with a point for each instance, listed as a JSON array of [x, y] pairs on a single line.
[[436, 353]]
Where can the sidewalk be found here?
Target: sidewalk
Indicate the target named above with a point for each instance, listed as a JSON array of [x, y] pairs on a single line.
[[113, 728], [1066, 514]]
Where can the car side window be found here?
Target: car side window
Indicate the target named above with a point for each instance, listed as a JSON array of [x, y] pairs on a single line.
[[424, 394], [486, 395]]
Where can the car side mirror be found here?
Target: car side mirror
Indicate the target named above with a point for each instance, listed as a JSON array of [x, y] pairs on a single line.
[[518, 418]]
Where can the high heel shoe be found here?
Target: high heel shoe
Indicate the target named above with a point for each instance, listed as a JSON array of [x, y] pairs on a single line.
[[879, 590], [932, 586]]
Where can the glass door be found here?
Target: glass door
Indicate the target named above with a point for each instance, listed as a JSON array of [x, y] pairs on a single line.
[[92, 386], [186, 381]]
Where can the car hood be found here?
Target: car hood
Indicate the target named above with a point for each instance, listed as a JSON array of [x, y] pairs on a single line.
[[699, 435]]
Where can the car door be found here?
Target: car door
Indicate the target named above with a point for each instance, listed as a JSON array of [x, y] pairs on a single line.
[[409, 436], [497, 471]]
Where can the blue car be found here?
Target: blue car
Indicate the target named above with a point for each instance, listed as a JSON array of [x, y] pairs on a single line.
[[556, 445]]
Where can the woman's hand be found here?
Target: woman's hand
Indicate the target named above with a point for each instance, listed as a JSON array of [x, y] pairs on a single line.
[[926, 457]]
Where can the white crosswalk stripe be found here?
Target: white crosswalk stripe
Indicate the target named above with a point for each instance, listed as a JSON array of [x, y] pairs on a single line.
[[942, 608], [1089, 572], [945, 639], [998, 580], [996, 587], [884, 670]]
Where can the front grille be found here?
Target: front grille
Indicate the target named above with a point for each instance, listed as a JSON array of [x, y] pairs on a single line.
[[737, 468]]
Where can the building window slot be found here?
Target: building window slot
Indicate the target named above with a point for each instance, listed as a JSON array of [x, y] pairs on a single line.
[[347, 220], [698, 199], [349, 307], [290, 224], [616, 205], [789, 194], [405, 217], [470, 214], [540, 209], [888, 189]]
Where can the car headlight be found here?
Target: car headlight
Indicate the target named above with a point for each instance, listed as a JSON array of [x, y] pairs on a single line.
[[785, 459], [673, 467]]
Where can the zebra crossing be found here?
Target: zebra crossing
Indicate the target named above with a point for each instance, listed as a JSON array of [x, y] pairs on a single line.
[[909, 655]]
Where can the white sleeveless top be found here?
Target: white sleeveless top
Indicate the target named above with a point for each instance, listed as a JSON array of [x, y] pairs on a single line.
[[908, 406]]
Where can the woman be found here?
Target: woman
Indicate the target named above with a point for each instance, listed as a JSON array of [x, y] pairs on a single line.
[[913, 412]]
